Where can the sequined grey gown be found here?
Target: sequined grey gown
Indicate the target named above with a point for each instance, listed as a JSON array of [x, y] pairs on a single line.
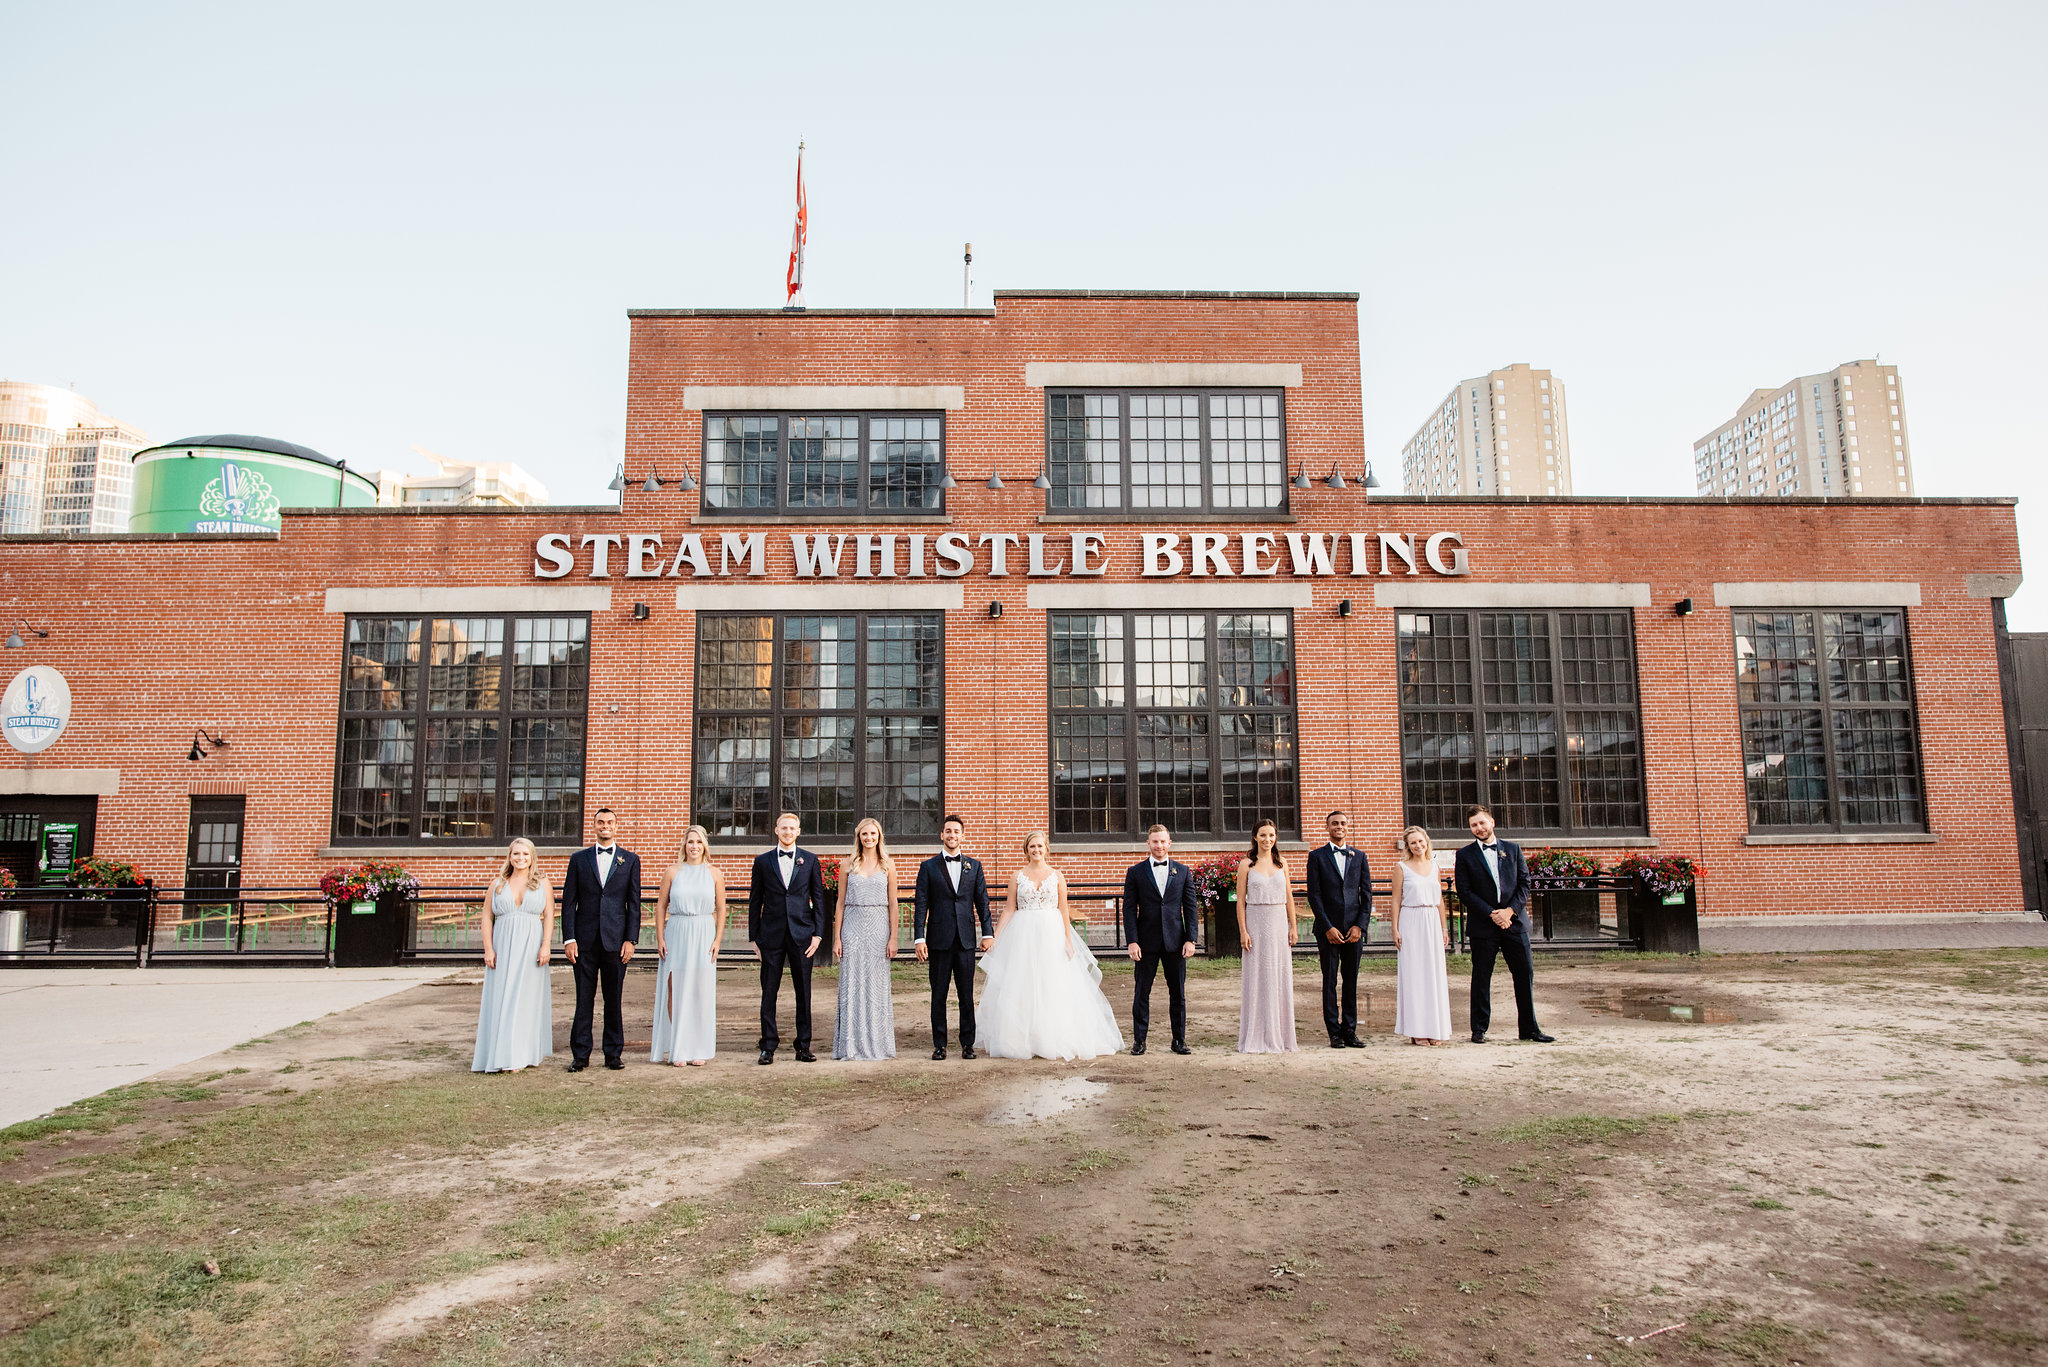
[[866, 1024]]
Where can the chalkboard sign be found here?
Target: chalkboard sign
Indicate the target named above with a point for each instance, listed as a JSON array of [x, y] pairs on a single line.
[[60, 850]]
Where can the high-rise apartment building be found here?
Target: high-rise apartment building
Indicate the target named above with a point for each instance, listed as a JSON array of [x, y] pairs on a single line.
[[64, 465], [462, 484], [1840, 434], [1499, 433]]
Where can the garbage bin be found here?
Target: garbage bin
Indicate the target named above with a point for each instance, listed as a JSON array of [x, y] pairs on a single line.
[[13, 930], [371, 934]]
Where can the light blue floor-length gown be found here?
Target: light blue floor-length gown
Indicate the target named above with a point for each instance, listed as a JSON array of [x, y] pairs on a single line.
[[515, 1025], [686, 983]]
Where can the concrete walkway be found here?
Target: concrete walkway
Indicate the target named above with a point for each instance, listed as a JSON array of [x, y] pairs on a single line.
[[1811, 936], [75, 1032]]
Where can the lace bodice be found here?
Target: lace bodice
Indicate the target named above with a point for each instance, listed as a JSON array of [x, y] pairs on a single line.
[[1038, 896]]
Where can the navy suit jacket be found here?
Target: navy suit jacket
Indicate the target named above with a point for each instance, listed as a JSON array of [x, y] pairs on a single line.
[[795, 913], [1156, 923], [952, 914], [606, 914], [1476, 890], [1339, 903]]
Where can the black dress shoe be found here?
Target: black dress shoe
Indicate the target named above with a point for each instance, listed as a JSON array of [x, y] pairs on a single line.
[[938, 1054], [806, 1056], [1180, 1046], [1138, 1048], [615, 1064], [967, 1053], [767, 1057], [1540, 1038], [578, 1065], [1336, 1041], [1352, 1041], [1479, 1037]]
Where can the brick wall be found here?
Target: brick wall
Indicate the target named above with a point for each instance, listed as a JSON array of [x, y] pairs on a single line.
[[158, 635]]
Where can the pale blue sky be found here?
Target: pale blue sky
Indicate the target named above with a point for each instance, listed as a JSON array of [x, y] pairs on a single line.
[[374, 226]]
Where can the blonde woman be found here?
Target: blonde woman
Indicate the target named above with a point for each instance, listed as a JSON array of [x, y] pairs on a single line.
[[515, 1024], [1422, 927], [688, 936], [864, 941], [1265, 927], [1044, 996]]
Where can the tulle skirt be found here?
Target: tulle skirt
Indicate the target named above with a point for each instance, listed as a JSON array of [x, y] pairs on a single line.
[[1044, 994]]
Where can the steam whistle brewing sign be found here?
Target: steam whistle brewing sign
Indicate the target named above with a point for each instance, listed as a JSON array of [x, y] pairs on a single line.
[[998, 555], [35, 709], [238, 499]]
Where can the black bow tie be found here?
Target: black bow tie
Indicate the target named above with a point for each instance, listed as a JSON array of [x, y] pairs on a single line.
[[952, 859], [1159, 864], [1490, 845]]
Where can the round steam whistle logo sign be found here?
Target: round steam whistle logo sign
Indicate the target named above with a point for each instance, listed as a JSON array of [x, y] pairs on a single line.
[[35, 709]]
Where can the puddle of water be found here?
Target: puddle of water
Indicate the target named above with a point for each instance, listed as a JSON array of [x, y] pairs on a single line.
[[1043, 1100], [1655, 1006]]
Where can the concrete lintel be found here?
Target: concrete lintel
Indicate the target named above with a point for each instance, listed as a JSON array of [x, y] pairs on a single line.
[[1818, 593], [1177, 596], [816, 597], [1991, 585], [1847, 838], [1464, 593], [766, 397], [1161, 374], [42, 782], [510, 598]]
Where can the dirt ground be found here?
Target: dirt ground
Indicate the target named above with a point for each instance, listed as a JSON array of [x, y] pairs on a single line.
[[1811, 1159]]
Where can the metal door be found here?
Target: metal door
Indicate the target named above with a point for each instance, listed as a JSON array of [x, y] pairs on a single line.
[[211, 915]]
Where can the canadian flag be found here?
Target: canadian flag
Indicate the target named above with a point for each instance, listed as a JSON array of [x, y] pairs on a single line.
[[796, 242]]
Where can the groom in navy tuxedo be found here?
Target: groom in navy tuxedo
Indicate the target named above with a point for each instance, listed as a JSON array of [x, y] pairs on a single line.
[[1158, 918], [952, 897], [786, 917], [1493, 888], [600, 927], [1340, 895]]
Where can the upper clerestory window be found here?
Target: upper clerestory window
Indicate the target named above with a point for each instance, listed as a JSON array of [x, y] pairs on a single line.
[[824, 464], [1143, 450]]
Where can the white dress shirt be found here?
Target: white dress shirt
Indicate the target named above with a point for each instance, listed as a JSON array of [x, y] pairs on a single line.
[[788, 858], [1341, 854], [1491, 853], [605, 854], [1160, 869]]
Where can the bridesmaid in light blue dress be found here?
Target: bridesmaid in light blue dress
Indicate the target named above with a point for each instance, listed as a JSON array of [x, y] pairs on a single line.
[[515, 1025], [686, 982]]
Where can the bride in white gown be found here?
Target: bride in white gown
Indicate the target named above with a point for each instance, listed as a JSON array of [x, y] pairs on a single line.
[[1044, 995]]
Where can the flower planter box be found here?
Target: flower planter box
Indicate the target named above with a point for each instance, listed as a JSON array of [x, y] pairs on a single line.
[[1571, 914], [1666, 923], [371, 934]]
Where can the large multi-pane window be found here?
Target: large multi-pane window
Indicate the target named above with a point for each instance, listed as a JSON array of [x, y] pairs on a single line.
[[462, 729], [1198, 450], [1534, 714], [1830, 741], [1186, 719], [831, 717], [823, 463]]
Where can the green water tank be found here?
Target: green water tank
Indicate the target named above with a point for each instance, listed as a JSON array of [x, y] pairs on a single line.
[[234, 483]]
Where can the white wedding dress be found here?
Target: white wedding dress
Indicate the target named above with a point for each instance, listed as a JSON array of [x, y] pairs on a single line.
[[1044, 995]]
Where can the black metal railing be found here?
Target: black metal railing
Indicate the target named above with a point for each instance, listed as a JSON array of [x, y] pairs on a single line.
[[296, 925]]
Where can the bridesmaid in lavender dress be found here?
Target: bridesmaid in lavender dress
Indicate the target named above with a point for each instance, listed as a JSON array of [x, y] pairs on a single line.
[[1422, 927], [864, 942], [1265, 927]]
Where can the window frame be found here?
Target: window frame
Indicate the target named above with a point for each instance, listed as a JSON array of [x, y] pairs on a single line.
[[421, 714], [1208, 507], [1827, 707], [866, 509], [1130, 711], [778, 709], [1559, 708]]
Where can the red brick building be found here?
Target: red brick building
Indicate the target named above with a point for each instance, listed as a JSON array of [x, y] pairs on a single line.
[[1150, 618]]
